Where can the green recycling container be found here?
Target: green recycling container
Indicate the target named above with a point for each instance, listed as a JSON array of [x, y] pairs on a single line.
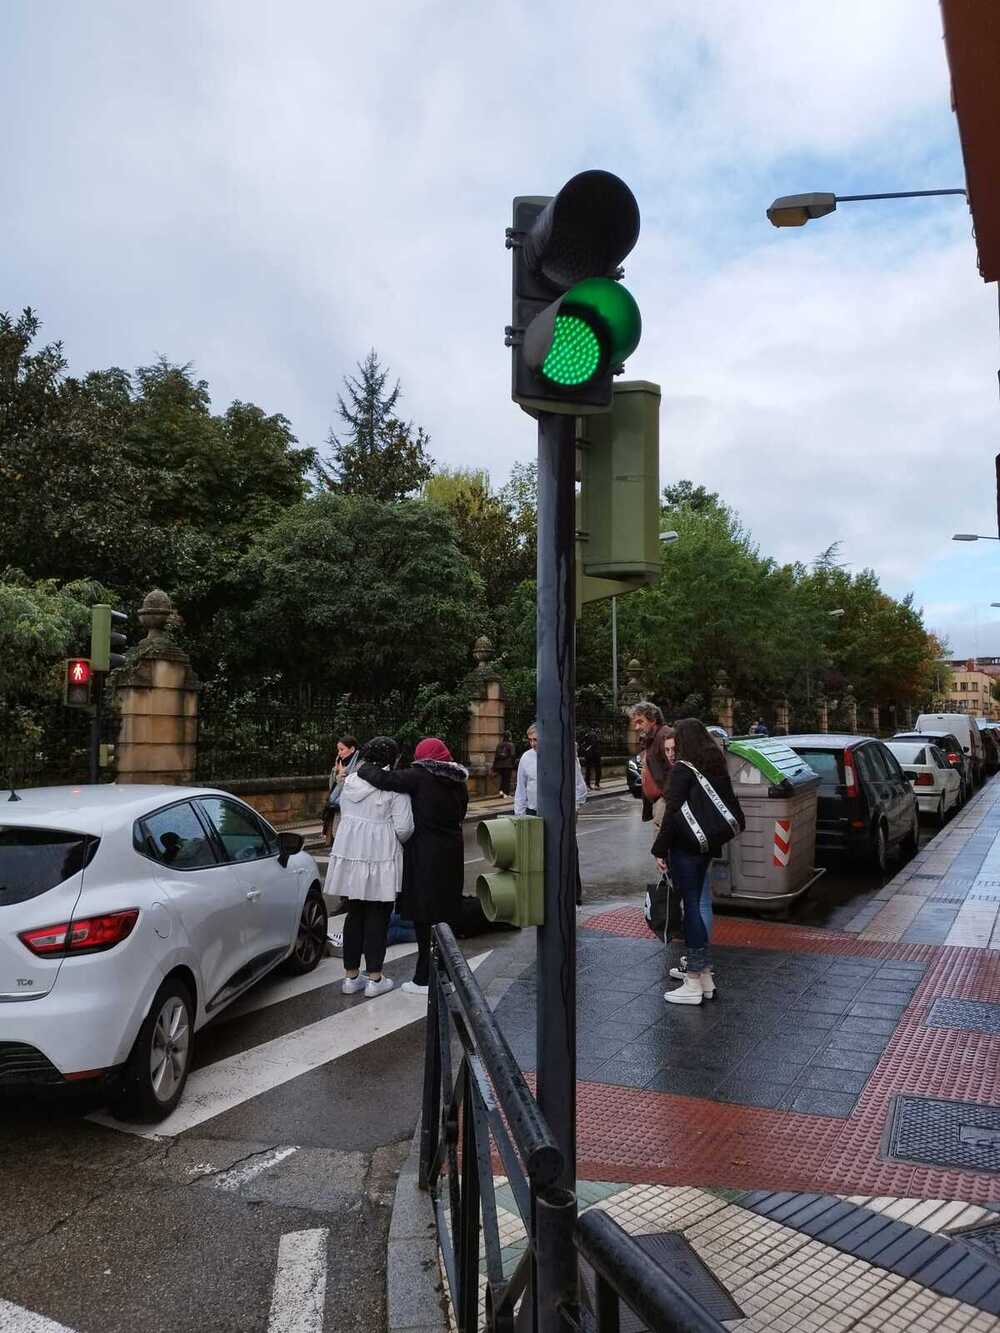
[[770, 864]]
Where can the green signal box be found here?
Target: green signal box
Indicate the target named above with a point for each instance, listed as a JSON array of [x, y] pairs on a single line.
[[618, 510], [515, 892]]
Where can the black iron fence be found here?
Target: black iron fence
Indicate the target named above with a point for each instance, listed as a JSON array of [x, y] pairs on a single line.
[[249, 736], [610, 725], [479, 1106], [44, 745]]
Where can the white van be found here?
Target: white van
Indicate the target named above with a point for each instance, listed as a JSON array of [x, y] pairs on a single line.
[[962, 725]]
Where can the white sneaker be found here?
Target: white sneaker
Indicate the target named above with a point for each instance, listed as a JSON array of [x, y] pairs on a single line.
[[708, 988], [378, 987], [351, 985], [411, 988], [680, 971], [690, 993]]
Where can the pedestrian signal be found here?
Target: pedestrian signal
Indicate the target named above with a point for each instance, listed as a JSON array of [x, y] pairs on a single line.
[[76, 682], [515, 892]]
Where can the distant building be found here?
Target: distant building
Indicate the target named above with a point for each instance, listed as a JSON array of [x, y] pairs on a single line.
[[970, 690]]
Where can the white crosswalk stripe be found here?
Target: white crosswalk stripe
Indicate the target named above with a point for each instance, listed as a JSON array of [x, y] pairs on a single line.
[[236, 1079], [15, 1319]]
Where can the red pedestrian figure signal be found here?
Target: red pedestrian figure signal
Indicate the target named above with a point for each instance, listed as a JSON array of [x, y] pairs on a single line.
[[76, 682]]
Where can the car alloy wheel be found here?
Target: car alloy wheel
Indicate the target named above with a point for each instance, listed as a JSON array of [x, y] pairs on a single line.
[[310, 941], [880, 849], [170, 1049]]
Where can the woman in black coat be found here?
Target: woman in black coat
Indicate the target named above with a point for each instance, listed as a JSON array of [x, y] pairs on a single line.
[[691, 851], [434, 857]]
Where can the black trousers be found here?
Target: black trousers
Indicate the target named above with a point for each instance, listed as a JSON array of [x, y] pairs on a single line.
[[592, 766], [366, 931]]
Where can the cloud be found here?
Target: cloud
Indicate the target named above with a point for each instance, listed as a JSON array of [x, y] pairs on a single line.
[[269, 190]]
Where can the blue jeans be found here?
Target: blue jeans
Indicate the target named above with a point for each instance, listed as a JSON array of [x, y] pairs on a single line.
[[689, 871]]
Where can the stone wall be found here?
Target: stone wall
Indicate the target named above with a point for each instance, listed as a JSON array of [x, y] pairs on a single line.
[[283, 800]]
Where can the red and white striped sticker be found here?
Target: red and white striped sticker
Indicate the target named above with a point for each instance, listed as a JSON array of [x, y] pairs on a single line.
[[782, 841]]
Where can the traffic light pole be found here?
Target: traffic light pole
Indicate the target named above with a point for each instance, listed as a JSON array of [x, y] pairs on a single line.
[[97, 688], [556, 937]]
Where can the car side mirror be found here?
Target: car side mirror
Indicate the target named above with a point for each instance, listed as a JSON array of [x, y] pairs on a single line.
[[288, 845]]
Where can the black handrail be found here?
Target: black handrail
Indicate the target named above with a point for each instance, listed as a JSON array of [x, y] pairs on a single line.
[[625, 1271], [532, 1136]]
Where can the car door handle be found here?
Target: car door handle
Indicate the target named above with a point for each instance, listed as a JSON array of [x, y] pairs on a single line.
[[253, 894]]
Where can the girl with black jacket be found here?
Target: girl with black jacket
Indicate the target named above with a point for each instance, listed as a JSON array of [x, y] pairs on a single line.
[[691, 848]]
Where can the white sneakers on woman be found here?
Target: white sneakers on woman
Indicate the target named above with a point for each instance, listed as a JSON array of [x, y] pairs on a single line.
[[351, 985], [688, 993]]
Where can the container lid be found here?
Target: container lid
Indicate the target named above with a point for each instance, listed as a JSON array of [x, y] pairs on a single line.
[[775, 759]]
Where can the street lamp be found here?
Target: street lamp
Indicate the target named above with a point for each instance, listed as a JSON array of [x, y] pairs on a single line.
[[973, 537], [795, 210]]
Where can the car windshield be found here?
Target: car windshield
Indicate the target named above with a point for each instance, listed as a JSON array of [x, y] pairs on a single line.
[[909, 753], [824, 763], [34, 860]]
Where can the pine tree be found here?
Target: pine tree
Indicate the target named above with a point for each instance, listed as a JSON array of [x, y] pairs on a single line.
[[382, 456]]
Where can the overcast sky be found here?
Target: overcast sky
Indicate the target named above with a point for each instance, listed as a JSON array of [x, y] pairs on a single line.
[[267, 190]]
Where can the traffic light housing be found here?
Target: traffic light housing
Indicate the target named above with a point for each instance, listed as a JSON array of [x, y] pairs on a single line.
[[107, 645], [77, 675], [515, 892], [618, 508], [572, 324]]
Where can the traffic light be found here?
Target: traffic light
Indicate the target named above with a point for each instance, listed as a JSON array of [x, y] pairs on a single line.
[[573, 324], [77, 675], [618, 508], [516, 892], [104, 637]]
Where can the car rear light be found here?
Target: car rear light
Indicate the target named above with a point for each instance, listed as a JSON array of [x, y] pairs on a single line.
[[850, 782], [91, 934], [924, 780]]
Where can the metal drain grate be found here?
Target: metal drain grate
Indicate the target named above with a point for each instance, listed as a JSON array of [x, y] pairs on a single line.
[[969, 1015], [925, 877], [677, 1256], [985, 1239], [959, 1134]]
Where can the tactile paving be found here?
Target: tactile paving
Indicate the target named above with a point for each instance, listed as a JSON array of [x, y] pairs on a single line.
[[968, 1015], [962, 1134], [984, 1238]]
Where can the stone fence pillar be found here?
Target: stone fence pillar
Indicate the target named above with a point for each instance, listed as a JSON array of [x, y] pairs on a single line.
[[157, 701], [487, 720], [851, 711], [822, 714], [781, 717], [875, 720], [722, 702]]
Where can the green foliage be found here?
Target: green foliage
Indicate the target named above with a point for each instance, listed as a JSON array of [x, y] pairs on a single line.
[[381, 457], [41, 624], [346, 591]]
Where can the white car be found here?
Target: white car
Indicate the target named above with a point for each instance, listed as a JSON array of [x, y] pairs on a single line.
[[936, 785], [130, 916]]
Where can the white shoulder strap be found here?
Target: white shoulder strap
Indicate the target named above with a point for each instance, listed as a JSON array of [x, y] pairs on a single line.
[[714, 797]]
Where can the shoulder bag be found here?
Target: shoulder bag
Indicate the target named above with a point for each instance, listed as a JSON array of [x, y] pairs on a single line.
[[707, 815]]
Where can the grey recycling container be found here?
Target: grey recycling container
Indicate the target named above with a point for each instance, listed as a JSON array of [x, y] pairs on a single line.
[[770, 864]]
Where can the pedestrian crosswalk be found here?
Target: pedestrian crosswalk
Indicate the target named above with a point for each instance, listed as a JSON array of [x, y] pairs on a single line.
[[248, 1073]]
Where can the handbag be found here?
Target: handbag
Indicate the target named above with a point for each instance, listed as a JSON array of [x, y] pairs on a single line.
[[663, 909], [708, 816]]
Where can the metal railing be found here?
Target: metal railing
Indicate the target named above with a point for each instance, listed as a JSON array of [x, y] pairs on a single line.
[[479, 1107]]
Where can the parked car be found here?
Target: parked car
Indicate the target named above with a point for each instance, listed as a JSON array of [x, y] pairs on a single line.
[[951, 747], [129, 917], [962, 725], [936, 785], [865, 806], [989, 734]]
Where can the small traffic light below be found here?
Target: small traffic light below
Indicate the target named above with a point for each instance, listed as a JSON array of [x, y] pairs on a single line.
[[572, 322], [516, 891], [104, 637], [77, 675]]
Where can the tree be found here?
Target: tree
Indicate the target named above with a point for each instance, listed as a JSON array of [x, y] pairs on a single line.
[[41, 623], [686, 495], [381, 457], [357, 594]]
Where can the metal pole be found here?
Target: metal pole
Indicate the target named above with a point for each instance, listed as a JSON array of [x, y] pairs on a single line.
[[95, 726], [897, 194], [556, 663], [614, 653]]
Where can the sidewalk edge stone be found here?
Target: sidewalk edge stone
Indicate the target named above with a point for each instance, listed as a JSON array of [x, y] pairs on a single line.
[[415, 1301]]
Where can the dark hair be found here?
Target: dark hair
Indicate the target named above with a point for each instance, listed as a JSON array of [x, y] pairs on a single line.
[[695, 744], [381, 750], [647, 709], [350, 741]]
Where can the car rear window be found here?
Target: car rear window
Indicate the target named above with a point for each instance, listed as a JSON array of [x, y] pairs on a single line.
[[826, 764], [909, 754], [34, 860]]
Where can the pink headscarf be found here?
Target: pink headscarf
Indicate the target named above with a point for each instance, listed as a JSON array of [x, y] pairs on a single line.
[[431, 748]]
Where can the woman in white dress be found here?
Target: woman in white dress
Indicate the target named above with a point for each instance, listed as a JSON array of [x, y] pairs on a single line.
[[366, 867]]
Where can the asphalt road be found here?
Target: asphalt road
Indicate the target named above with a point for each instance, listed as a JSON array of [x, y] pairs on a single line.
[[266, 1198]]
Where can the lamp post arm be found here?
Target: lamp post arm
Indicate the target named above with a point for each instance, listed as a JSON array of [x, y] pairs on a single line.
[[899, 194]]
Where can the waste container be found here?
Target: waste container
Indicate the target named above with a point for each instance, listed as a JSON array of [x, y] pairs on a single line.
[[771, 863]]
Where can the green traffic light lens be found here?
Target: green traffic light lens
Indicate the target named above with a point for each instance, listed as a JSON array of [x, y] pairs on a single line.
[[575, 354]]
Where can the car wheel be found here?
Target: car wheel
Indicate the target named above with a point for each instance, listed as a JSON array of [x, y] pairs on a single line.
[[908, 847], [879, 849], [310, 941], [157, 1068]]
